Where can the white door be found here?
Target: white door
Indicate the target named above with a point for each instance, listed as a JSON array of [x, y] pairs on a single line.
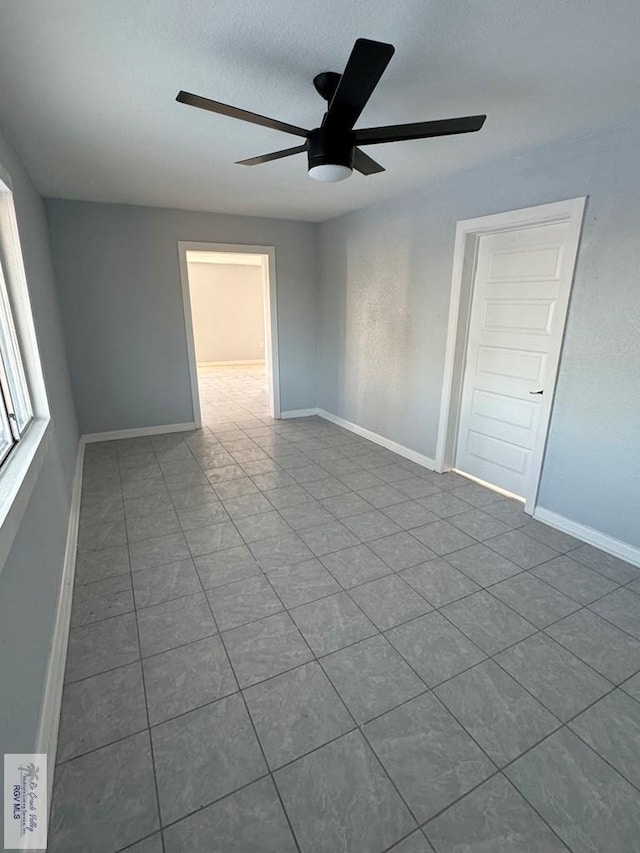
[[519, 304]]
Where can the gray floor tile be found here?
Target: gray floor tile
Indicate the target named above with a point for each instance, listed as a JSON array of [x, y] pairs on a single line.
[[488, 622], [151, 844], [534, 599], [444, 504], [553, 675], [265, 648], [102, 534], [479, 525], [174, 623], [116, 789], [162, 583], [621, 607], [214, 537], [273, 480], [195, 496], [371, 677], [608, 650], [496, 711], [156, 501], [388, 601], [355, 565], [493, 818], [202, 514], [410, 514], [612, 728], [326, 488], [482, 564], [296, 712], [475, 494], [575, 580], [509, 511], [249, 821], [244, 506], [99, 710], [442, 537], [360, 479], [101, 564], [401, 550], [236, 488], [280, 551], [101, 599], [101, 646], [344, 505], [414, 843], [521, 549], [584, 800], [382, 496], [288, 496], [155, 552], [339, 800], [435, 648], [416, 487], [370, 525], [306, 514], [556, 539], [203, 755], [422, 748], [308, 581], [325, 538], [226, 566], [607, 565], [185, 678], [215, 476], [332, 623], [439, 582], [152, 526], [243, 601]]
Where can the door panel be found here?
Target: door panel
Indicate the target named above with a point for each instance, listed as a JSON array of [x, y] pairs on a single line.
[[520, 280]]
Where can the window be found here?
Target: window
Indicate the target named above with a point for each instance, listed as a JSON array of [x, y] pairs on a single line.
[[24, 408], [16, 411]]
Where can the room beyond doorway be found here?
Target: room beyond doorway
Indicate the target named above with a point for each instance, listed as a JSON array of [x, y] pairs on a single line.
[[229, 302]]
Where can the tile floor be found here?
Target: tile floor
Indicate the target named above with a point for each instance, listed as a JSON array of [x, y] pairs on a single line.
[[286, 638]]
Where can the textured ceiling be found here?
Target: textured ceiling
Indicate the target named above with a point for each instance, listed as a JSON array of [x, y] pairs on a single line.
[[87, 91]]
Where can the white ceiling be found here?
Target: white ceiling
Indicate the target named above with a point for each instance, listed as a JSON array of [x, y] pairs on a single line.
[[87, 91]]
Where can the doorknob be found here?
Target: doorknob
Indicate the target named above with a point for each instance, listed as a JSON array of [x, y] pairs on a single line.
[[536, 392]]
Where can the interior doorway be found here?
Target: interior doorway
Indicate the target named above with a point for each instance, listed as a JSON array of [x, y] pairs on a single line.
[[230, 321], [511, 286]]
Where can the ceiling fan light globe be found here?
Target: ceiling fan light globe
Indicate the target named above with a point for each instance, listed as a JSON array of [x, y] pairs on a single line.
[[329, 172]]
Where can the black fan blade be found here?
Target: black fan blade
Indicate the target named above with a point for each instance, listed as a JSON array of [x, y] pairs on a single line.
[[234, 112], [275, 155], [419, 130], [364, 164], [361, 75]]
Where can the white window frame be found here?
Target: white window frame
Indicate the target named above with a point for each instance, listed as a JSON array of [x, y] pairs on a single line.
[[19, 470]]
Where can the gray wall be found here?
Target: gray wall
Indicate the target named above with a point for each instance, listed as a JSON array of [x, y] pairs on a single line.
[[119, 280], [30, 579], [385, 276]]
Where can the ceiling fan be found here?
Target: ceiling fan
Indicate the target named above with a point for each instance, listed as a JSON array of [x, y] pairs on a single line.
[[333, 148]]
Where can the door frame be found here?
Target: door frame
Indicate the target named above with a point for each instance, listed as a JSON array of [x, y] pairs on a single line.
[[272, 361], [465, 252]]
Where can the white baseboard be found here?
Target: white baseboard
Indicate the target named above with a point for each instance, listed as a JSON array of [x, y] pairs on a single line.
[[115, 434], [299, 413], [400, 449], [612, 546], [230, 363], [47, 738]]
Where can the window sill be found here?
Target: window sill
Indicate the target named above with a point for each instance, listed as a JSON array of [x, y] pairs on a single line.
[[17, 480]]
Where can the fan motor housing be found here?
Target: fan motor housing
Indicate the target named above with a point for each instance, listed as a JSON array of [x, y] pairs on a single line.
[[325, 147]]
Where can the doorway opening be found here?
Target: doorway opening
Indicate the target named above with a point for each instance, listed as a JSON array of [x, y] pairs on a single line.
[[229, 298], [511, 284]]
